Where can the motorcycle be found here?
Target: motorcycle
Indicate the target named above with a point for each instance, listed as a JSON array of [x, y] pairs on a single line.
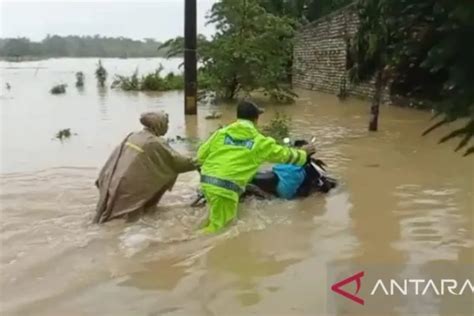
[[264, 184]]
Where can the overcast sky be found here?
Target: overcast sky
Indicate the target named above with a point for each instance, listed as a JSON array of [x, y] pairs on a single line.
[[158, 19]]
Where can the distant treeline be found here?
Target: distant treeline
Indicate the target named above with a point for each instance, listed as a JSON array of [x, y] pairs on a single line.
[[79, 46]]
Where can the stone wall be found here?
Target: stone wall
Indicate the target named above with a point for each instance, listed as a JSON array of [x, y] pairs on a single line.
[[320, 55]]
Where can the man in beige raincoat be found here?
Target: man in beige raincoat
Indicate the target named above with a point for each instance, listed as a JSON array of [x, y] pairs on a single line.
[[139, 171]]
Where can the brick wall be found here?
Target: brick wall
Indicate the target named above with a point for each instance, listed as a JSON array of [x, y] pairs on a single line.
[[320, 54]]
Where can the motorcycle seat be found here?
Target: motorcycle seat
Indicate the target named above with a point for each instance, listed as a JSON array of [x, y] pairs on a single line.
[[266, 180], [265, 175]]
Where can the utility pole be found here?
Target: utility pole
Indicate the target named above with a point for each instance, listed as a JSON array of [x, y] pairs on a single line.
[[190, 62]]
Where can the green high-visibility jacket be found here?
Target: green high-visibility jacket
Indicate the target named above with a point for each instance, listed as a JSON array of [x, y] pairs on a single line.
[[234, 153]]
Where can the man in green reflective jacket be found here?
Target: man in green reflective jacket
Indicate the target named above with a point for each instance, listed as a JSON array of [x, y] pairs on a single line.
[[230, 158]]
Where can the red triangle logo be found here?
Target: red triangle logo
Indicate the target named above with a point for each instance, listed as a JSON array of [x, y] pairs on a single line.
[[337, 287]]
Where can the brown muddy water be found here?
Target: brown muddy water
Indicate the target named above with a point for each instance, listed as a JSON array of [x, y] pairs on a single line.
[[402, 200]]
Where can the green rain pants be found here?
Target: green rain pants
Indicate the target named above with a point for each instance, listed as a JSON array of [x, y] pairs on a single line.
[[222, 205]]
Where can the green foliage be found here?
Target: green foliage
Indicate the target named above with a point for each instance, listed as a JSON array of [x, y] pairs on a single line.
[[294, 9], [451, 57], [63, 134], [15, 47], [278, 128], [149, 82], [58, 89], [79, 79], [127, 83], [319, 8], [80, 46], [101, 74], [175, 47], [303, 10], [371, 45], [205, 80], [154, 82], [174, 82], [425, 47], [250, 50]]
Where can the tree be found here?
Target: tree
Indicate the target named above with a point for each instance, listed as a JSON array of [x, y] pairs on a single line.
[[175, 47], [16, 47], [372, 52], [294, 9], [303, 10], [55, 46], [250, 49], [452, 55], [426, 48], [253, 47], [80, 46]]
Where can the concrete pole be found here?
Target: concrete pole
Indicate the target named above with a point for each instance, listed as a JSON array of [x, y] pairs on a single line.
[[190, 62]]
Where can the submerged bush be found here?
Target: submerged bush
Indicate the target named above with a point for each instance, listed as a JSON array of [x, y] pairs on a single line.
[[79, 79], [150, 82], [174, 82], [278, 127], [64, 133], [153, 82], [58, 89], [131, 83], [101, 74], [205, 80]]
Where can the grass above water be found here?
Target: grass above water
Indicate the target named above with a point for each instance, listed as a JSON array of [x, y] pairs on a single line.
[[150, 82]]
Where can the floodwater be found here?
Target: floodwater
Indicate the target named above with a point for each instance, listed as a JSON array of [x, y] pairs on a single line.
[[402, 200]]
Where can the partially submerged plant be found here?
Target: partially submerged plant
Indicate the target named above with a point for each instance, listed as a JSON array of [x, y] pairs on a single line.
[[79, 79], [63, 134], [278, 127], [149, 82], [131, 83], [153, 81], [173, 81], [101, 74], [58, 89]]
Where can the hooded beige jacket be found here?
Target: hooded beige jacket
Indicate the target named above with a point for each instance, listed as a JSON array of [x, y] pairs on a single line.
[[139, 171]]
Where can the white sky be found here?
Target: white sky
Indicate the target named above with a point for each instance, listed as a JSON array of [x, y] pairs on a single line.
[[158, 19]]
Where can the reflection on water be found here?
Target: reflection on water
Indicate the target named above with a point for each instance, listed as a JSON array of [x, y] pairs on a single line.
[[161, 275], [102, 93], [402, 200], [430, 227]]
